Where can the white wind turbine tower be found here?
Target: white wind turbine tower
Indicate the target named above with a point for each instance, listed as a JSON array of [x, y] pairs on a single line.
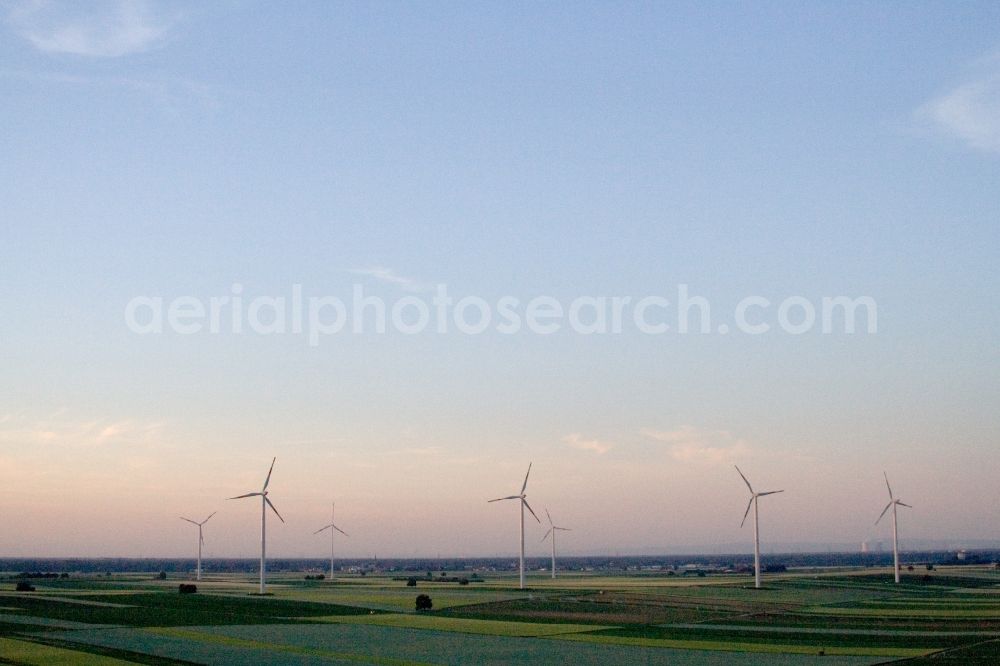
[[754, 496], [264, 503], [524, 503], [201, 540], [553, 528], [333, 536], [893, 503]]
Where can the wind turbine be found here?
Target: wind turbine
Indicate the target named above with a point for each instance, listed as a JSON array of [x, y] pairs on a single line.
[[264, 503], [553, 528], [754, 496], [333, 536], [201, 540], [893, 503], [524, 503]]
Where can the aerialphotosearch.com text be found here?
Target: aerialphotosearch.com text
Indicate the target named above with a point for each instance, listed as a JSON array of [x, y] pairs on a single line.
[[318, 317]]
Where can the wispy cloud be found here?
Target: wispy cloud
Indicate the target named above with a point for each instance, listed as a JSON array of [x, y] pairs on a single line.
[[389, 276], [77, 433], [578, 441], [97, 29], [420, 451], [691, 444], [172, 94], [970, 111]]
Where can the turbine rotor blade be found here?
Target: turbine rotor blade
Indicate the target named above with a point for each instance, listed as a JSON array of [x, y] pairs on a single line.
[[322, 529], [887, 484], [209, 518], [247, 495], [903, 504], [500, 499], [747, 512], [882, 515], [547, 534], [548, 516], [744, 478], [564, 529], [525, 502], [525, 485], [340, 530], [770, 492], [189, 520], [268, 479], [273, 509]]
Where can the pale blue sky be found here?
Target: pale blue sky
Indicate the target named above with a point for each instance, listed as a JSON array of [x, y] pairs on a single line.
[[503, 149]]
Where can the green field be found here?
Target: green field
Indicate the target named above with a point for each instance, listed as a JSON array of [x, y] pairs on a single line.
[[842, 617]]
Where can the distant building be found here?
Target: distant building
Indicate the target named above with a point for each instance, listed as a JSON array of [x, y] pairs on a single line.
[[864, 547]]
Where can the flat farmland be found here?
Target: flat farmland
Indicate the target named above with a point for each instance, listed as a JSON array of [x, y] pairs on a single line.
[[856, 617]]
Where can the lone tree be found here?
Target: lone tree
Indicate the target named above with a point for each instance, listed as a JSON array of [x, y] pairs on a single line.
[[424, 602], [411, 582]]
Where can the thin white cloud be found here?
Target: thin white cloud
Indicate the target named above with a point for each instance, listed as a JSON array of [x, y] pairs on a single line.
[[72, 433], [969, 112], [691, 444], [422, 451], [172, 94], [389, 276], [578, 441], [96, 29]]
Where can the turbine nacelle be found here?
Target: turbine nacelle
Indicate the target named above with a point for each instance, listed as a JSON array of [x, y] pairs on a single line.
[[893, 501], [753, 495], [331, 525], [523, 497], [263, 493], [553, 527]]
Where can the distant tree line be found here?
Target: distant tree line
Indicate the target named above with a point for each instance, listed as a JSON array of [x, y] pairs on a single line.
[[647, 565]]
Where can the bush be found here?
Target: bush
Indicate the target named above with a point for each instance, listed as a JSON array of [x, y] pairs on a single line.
[[162, 575], [424, 602], [25, 586], [463, 581], [411, 582], [187, 588]]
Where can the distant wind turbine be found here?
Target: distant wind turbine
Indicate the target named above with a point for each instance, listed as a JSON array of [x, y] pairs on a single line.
[[333, 536], [754, 496], [264, 503], [524, 503], [553, 528], [893, 503], [201, 541]]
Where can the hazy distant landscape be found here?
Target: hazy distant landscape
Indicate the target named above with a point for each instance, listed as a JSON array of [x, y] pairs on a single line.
[[661, 564]]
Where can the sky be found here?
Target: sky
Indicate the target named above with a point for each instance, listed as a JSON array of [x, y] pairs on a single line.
[[503, 150]]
